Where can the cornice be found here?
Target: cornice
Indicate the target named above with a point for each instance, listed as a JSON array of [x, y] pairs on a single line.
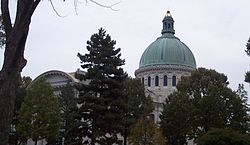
[[164, 68]]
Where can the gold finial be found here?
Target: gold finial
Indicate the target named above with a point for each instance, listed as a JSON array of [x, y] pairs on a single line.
[[168, 14]]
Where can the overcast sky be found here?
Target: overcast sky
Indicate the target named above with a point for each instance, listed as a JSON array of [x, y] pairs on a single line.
[[216, 31]]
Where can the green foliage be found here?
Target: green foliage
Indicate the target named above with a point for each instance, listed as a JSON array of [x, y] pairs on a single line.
[[203, 101], [68, 107], [146, 132], [136, 103], [223, 137], [101, 99], [174, 120], [39, 115]]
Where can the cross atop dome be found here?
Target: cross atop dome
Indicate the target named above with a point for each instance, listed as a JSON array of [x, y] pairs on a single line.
[[168, 24]]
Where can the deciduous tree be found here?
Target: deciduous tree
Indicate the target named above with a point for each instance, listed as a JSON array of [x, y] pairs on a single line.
[[39, 115], [203, 101], [101, 99], [223, 137], [146, 132]]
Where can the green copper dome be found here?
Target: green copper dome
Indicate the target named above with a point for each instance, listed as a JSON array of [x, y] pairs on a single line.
[[167, 49]]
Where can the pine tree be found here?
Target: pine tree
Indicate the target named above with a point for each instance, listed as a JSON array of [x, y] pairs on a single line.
[[101, 98]]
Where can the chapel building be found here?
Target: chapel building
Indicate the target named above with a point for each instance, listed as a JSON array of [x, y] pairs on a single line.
[[162, 65]]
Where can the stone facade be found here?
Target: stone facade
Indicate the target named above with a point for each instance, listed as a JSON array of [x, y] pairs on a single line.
[[167, 76]]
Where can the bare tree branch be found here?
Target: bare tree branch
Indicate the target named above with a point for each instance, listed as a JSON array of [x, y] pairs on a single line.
[[54, 9], [106, 6]]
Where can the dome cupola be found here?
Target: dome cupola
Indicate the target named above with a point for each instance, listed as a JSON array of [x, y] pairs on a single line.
[[168, 24], [167, 49]]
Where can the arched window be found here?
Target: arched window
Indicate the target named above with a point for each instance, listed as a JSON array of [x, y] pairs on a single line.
[[149, 81], [165, 80], [156, 80], [168, 25], [165, 25], [174, 81], [142, 80]]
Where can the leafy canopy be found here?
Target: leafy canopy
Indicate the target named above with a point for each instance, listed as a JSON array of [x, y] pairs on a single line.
[[39, 115], [203, 101], [223, 137], [146, 132]]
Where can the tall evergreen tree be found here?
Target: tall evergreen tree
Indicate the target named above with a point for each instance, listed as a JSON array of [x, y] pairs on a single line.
[[101, 99]]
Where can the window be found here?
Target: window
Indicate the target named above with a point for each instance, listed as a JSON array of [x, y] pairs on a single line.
[[142, 80], [165, 80], [149, 81], [156, 80], [168, 25], [174, 81]]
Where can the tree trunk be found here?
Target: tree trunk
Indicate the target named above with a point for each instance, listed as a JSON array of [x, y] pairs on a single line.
[[14, 61], [8, 86]]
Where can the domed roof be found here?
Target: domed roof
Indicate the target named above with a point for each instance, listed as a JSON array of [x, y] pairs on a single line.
[[167, 49]]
